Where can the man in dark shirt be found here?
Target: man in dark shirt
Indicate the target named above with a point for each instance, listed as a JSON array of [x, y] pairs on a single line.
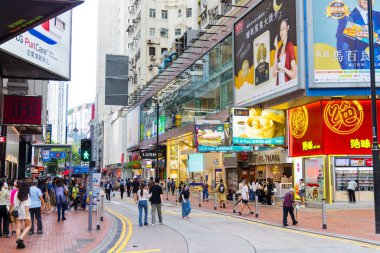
[[135, 188], [288, 208], [156, 201], [128, 184]]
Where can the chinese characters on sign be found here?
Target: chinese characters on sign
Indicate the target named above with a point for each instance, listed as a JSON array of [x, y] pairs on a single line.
[[309, 145], [356, 143]]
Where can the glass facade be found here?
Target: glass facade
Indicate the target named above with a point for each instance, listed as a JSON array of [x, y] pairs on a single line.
[[203, 89]]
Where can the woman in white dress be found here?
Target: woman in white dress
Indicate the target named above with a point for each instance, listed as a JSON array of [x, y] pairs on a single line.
[[22, 204]]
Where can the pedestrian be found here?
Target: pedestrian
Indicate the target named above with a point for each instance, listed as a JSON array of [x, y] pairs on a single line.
[[172, 185], [61, 199], [75, 197], [260, 191], [351, 187], [53, 199], [252, 190], [168, 182], [156, 201], [143, 196], [135, 188], [221, 192], [4, 216], [185, 200], [36, 204], [245, 197], [128, 184], [302, 191], [205, 191], [180, 186], [16, 185], [122, 190], [288, 207], [269, 191], [22, 204], [108, 189]]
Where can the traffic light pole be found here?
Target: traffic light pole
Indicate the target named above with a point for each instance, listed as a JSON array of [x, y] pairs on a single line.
[[157, 140], [70, 159], [90, 194], [375, 142]]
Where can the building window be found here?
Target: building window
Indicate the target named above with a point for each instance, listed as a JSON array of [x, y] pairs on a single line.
[[189, 12], [152, 13], [178, 31], [152, 32], [152, 51], [179, 13], [164, 32], [164, 14]]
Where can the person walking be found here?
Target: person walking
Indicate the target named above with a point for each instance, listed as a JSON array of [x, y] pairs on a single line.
[[172, 186], [156, 201], [288, 208], [221, 192], [135, 188], [22, 204], [270, 191], [143, 196], [351, 187], [245, 197], [302, 191], [75, 197], [108, 189], [4, 217], [185, 200], [128, 184], [122, 189], [61, 200], [205, 191], [252, 190], [36, 204], [16, 185]]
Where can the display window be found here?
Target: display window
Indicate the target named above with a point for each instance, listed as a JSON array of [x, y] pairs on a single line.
[[314, 178]]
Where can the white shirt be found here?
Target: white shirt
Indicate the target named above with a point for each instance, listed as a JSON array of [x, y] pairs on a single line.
[[363, 13], [244, 192], [253, 186], [145, 195], [351, 185]]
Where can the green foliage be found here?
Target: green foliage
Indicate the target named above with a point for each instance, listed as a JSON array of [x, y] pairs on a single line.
[[52, 166]]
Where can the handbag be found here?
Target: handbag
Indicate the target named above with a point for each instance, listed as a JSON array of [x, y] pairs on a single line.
[[14, 212]]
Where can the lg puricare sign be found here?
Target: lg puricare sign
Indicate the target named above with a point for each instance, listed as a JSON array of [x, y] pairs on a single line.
[[22, 110], [47, 46], [335, 127]]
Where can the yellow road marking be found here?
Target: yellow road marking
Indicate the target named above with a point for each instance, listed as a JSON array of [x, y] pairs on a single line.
[[144, 251], [124, 220]]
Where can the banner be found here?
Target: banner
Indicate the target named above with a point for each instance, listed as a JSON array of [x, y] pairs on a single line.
[[22, 110], [212, 135], [265, 51], [49, 128], [257, 126], [340, 32]]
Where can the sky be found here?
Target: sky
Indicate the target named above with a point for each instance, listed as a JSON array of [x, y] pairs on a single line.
[[82, 87]]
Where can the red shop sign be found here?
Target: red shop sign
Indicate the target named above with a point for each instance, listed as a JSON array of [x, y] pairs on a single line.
[[22, 110]]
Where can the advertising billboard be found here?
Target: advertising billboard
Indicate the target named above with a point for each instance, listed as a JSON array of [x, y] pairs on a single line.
[[47, 46], [195, 163], [265, 51], [22, 110], [49, 129], [340, 42], [133, 127], [257, 127], [212, 135], [334, 127]]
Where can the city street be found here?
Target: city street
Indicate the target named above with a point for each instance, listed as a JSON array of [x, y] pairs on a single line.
[[212, 232]]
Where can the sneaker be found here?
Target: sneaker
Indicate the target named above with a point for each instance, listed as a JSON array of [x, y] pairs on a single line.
[[152, 224], [5, 236], [285, 225], [146, 224], [63, 218], [13, 232], [20, 244], [30, 232], [295, 223], [40, 232]]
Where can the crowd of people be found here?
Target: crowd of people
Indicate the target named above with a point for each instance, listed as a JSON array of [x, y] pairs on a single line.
[[24, 201]]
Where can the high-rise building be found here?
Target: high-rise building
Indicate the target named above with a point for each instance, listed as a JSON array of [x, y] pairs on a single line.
[[78, 123], [57, 110]]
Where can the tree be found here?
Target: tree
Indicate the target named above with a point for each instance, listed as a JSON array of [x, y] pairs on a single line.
[[52, 166], [76, 157]]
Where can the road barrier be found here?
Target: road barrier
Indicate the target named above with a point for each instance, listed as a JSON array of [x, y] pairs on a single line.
[[324, 214], [257, 206]]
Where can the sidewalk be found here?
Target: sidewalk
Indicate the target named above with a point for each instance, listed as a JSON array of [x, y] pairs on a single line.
[[66, 236], [348, 222]]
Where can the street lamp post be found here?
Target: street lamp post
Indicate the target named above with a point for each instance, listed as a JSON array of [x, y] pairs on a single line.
[[157, 137], [375, 143]]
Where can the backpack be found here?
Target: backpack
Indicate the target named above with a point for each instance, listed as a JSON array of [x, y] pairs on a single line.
[[221, 188]]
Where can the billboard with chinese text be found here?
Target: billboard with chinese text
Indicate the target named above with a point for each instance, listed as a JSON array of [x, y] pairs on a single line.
[[265, 51], [340, 42]]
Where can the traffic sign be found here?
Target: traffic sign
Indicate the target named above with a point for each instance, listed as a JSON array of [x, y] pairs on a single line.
[[57, 155]]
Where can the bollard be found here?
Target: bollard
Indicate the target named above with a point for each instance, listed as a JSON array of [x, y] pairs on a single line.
[[176, 195], [324, 214], [167, 193], [102, 208], [234, 202], [98, 213], [257, 206], [200, 198], [215, 200]]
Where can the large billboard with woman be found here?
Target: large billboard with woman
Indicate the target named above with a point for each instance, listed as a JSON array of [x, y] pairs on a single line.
[[265, 50]]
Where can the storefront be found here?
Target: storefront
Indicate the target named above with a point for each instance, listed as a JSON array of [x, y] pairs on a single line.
[[330, 143]]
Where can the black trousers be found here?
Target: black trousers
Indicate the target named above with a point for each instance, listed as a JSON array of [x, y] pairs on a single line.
[[121, 194], [128, 191], [287, 210], [108, 195], [36, 212], [4, 220], [351, 196]]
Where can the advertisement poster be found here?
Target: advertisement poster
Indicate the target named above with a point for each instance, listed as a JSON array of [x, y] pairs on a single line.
[[257, 126], [265, 51], [22, 110], [212, 135], [298, 169], [195, 163], [341, 50], [47, 46]]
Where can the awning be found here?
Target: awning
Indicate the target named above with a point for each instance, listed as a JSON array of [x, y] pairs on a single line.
[[18, 16]]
